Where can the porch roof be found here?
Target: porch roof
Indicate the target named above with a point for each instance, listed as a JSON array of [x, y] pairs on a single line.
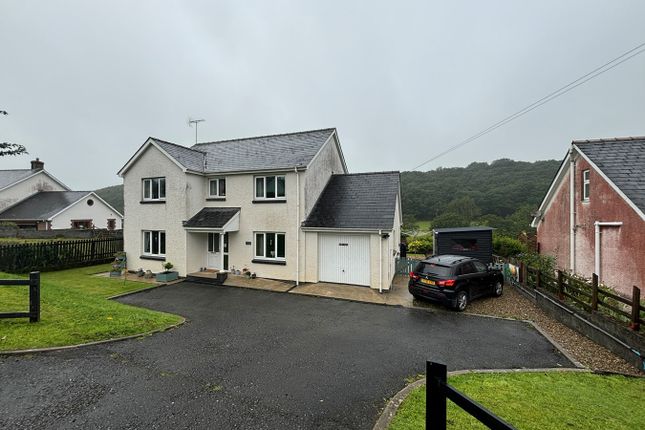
[[216, 219]]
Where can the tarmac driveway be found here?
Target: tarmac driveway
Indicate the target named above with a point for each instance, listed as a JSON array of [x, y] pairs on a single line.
[[255, 359]]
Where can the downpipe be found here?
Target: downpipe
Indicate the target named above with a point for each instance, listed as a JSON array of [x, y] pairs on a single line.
[[295, 169], [380, 261]]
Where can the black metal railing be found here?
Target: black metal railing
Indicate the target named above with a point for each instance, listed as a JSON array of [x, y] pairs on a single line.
[[438, 391]]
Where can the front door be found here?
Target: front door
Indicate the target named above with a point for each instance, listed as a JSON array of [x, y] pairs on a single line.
[[225, 252], [214, 255]]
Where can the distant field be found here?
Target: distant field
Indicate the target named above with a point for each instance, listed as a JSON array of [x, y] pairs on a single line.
[[424, 225]]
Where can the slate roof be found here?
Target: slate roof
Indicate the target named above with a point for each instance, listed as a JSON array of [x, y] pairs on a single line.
[[211, 218], [357, 201], [279, 151], [191, 159], [622, 160], [8, 177], [42, 206], [462, 229]]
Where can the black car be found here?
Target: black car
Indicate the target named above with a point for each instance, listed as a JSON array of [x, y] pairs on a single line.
[[454, 280]]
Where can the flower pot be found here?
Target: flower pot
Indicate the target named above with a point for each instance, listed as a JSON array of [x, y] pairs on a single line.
[[167, 276], [115, 273]]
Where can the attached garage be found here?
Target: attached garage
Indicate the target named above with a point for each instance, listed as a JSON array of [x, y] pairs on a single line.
[[352, 233], [344, 258]]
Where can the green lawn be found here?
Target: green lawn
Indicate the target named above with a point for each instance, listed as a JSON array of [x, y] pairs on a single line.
[[74, 310], [553, 400]]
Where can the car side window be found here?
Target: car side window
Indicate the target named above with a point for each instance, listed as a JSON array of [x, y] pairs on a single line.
[[466, 268], [479, 266]]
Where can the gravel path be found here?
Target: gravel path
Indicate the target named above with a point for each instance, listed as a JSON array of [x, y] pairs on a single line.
[[513, 304]]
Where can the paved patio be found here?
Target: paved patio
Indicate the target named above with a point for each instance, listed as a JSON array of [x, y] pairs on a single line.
[[398, 295]]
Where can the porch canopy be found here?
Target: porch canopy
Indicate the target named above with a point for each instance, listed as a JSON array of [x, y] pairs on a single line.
[[214, 220]]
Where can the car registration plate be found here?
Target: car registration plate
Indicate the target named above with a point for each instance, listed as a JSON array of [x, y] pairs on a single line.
[[427, 281]]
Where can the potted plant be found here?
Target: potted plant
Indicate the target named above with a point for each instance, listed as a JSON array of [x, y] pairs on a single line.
[[167, 275]]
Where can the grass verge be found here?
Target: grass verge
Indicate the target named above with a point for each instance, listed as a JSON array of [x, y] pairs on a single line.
[[74, 310], [549, 400]]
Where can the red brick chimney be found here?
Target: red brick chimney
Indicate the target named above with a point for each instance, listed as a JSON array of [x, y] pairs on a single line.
[[37, 164]]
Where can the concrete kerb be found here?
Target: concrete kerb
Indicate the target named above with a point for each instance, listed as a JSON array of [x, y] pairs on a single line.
[[395, 402], [99, 342]]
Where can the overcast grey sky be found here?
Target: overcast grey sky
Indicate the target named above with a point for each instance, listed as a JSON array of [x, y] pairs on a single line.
[[86, 83]]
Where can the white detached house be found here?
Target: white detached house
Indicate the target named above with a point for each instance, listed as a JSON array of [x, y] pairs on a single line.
[[282, 206], [35, 199]]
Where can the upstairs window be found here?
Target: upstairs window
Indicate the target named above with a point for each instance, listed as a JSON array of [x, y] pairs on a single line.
[[585, 185], [154, 189], [269, 188], [217, 187]]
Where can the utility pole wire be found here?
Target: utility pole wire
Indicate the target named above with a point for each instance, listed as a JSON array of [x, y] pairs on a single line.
[[551, 96]]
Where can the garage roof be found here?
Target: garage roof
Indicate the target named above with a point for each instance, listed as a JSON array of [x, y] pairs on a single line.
[[365, 201]]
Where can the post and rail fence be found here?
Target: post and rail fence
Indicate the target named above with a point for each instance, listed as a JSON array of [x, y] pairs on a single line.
[[588, 295], [34, 297], [438, 391], [56, 255]]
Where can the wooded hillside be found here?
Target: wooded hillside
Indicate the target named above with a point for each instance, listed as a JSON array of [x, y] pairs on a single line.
[[501, 194], [113, 195]]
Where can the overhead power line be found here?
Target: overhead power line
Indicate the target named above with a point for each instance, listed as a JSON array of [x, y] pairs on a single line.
[[549, 97]]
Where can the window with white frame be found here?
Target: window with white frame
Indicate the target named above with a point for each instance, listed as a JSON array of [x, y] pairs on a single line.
[[154, 189], [217, 187], [270, 187], [154, 243], [585, 185], [269, 246]]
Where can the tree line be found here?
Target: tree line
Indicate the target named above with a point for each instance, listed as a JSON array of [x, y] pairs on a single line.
[[502, 194]]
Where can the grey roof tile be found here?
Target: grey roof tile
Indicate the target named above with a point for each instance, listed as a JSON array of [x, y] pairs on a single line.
[[280, 151], [360, 201], [42, 205], [623, 161], [211, 218], [191, 159], [8, 177]]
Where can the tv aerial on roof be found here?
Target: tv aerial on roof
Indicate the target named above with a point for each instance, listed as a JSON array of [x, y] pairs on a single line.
[[196, 122]]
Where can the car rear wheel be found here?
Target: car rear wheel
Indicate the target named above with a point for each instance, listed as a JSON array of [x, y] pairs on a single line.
[[461, 301], [498, 289]]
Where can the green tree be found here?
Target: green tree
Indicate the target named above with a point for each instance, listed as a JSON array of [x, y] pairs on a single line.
[[7, 148]]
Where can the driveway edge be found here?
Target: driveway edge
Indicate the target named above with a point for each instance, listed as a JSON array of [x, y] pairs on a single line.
[[395, 402], [98, 342]]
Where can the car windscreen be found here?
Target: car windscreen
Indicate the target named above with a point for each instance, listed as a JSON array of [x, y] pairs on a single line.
[[433, 269]]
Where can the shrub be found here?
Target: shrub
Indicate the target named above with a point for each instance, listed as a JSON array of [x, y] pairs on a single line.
[[505, 246], [421, 245]]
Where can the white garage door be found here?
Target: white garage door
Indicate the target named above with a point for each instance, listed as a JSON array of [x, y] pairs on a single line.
[[344, 258]]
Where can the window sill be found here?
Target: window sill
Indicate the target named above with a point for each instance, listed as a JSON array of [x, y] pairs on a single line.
[[216, 199], [276, 262], [152, 202], [270, 201], [152, 257]]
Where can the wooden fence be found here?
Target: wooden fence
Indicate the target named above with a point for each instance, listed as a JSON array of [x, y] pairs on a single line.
[[34, 297], [586, 295], [23, 258], [404, 266]]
